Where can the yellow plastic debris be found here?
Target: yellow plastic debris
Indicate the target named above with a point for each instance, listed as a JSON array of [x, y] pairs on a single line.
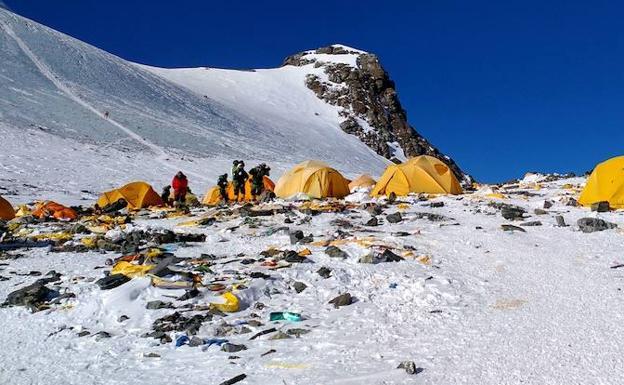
[[305, 253], [89, 242], [153, 252], [403, 206], [231, 303], [424, 259], [22, 211], [130, 270]]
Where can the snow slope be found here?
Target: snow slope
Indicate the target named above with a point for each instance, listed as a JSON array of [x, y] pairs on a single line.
[[491, 307], [67, 89]]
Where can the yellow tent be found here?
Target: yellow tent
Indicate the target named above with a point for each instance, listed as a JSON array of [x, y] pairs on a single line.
[[314, 179], [363, 181], [213, 196], [606, 183], [137, 194], [6, 210], [422, 174]]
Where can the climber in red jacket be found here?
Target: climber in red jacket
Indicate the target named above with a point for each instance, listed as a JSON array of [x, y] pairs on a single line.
[[180, 187]]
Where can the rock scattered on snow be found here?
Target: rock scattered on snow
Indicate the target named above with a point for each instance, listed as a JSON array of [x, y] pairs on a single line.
[[394, 217], [590, 225], [342, 300]]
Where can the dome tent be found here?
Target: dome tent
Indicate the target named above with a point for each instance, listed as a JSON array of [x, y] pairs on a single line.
[[605, 184], [138, 195], [422, 174], [314, 179]]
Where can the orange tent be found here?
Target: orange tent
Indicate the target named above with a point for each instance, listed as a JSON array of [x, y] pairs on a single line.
[[213, 196], [55, 210], [6, 210]]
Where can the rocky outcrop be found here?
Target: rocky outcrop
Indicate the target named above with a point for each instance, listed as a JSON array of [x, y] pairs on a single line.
[[356, 81]]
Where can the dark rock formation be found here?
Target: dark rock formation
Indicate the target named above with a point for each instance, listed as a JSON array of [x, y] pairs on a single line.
[[370, 105]]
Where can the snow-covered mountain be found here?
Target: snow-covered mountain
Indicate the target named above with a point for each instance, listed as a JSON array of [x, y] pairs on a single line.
[[74, 117]]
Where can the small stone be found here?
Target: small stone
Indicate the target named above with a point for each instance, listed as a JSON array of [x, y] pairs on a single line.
[[394, 217], [297, 332], [154, 305], [296, 236], [512, 213], [436, 204], [540, 212], [123, 318], [531, 223], [299, 286], [389, 256], [294, 257], [102, 335], [84, 333], [410, 367], [547, 204], [335, 252], [342, 300], [512, 228], [232, 348], [560, 221], [373, 222], [196, 341], [151, 355], [279, 336], [601, 207], [324, 272]]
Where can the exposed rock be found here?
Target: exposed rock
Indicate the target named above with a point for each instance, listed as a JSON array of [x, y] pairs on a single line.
[[370, 105], [560, 221], [232, 348], [342, 300], [335, 252], [297, 332], [540, 212], [512, 228], [531, 223], [324, 272], [547, 204], [154, 305], [601, 207], [590, 225], [394, 217], [279, 336], [512, 213], [295, 237], [372, 222], [299, 286], [410, 367], [31, 296]]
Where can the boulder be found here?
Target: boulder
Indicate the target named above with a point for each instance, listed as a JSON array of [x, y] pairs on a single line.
[[590, 225], [394, 217]]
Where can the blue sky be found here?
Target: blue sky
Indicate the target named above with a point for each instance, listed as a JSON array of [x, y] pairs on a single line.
[[502, 87]]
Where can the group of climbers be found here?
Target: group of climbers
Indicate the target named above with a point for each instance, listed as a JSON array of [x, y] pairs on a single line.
[[240, 177]]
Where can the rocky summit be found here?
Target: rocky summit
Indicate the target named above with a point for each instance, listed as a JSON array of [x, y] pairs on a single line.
[[371, 110]]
